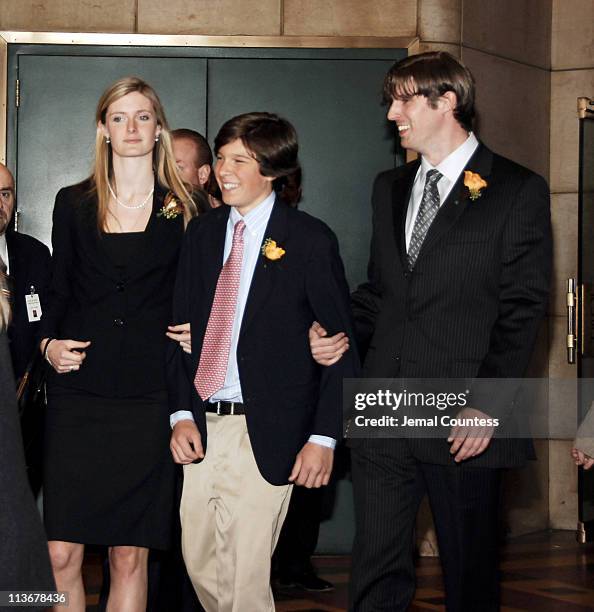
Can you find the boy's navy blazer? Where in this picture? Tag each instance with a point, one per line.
(287, 395)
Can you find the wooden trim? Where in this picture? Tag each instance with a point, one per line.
(582, 106)
(414, 46)
(3, 97)
(174, 40)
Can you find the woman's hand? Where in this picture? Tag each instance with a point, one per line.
(580, 458)
(182, 335)
(65, 355)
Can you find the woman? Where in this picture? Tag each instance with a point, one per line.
(24, 562)
(116, 238)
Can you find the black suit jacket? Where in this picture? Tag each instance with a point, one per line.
(287, 395)
(24, 559)
(474, 302)
(29, 264)
(124, 314)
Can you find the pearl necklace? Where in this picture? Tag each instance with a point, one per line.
(141, 205)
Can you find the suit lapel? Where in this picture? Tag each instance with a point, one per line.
(457, 200)
(160, 231)
(14, 254)
(266, 271)
(401, 191)
(93, 244)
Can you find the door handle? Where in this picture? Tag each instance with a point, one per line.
(572, 300)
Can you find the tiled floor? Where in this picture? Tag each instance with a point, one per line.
(547, 572)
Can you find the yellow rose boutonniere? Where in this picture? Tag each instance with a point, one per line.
(271, 251)
(474, 183)
(171, 207)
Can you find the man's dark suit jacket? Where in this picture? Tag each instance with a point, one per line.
(24, 559)
(286, 394)
(124, 314)
(29, 265)
(474, 302)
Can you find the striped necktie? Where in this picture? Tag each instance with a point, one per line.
(427, 213)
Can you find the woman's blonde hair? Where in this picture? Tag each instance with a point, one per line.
(4, 302)
(164, 165)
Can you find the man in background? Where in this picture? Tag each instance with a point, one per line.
(194, 161)
(26, 262)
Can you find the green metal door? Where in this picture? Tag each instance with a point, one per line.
(332, 96)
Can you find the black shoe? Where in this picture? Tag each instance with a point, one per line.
(310, 582)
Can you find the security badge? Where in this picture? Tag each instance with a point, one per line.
(33, 305)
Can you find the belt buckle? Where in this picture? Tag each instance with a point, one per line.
(218, 408)
(232, 408)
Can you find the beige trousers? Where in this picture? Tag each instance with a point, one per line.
(231, 519)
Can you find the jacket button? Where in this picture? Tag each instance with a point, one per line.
(397, 358)
(118, 322)
(120, 286)
(406, 275)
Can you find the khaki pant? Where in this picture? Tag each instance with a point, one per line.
(231, 520)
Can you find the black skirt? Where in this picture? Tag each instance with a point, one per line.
(108, 471)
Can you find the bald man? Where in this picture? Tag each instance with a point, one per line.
(194, 162)
(27, 263)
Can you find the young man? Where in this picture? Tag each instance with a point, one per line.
(253, 276)
(458, 285)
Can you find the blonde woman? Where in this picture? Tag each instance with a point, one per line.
(116, 239)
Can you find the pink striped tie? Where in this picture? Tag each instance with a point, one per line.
(212, 369)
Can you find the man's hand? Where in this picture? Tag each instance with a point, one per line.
(470, 441)
(326, 351)
(66, 355)
(186, 443)
(582, 459)
(313, 466)
(182, 335)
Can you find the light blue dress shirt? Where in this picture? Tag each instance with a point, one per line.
(255, 221)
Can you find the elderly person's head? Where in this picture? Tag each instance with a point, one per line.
(6, 197)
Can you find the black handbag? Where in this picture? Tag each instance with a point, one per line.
(31, 399)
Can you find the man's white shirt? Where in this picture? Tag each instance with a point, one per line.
(4, 252)
(451, 168)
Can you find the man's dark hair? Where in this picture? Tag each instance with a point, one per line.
(431, 75)
(272, 141)
(204, 152)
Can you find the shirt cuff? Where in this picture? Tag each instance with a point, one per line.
(180, 415)
(321, 440)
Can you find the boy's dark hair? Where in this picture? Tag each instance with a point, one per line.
(273, 142)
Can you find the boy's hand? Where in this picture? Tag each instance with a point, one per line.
(313, 466)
